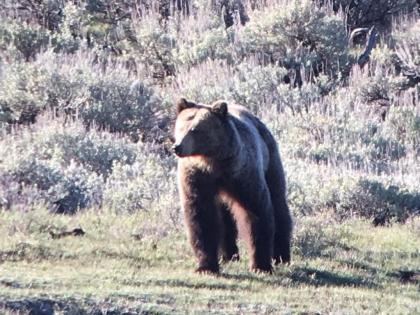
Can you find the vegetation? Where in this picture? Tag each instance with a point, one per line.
(86, 107)
(130, 264)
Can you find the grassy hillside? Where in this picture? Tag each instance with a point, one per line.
(87, 92)
(123, 265)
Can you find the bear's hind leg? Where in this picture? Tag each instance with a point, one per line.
(283, 229)
(283, 221)
(228, 248)
(253, 212)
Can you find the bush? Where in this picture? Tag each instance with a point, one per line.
(316, 236)
(68, 39)
(365, 13)
(148, 184)
(345, 194)
(382, 203)
(118, 105)
(374, 88)
(154, 48)
(406, 58)
(107, 71)
(407, 42)
(212, 44)
(32, 181)
(113, 99)
(46, 13)
(260, 88)
(22, 93)
(96, 152)
(298, 33)
(403, 126)
(66, 168)
(63, 167)
(21, 40)
(333, 133)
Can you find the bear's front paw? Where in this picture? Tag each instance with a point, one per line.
(207, 270)
(280, 260)
(262, 269)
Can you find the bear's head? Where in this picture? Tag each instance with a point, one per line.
(201, 130)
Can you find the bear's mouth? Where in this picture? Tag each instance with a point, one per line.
(181, 155)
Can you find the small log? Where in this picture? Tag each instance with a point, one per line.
(74, 232)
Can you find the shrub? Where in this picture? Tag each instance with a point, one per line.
(31, 181)
(297, 34)
(316, 236)
(154, 48)
(118, 105)
(148, 184)
(21, 40)
(345, 194)
(63, 167)
(407, 42)
(66, 168)
(112, 99)
(406, 58)
(212, 44)
(382, 203)
(260, 88)
(331, 133)
(68, 38)
(106, 74)
(364, 13)
(374, 88)
(22, 93)
(215, 82)
(46, 13)
(403, 126)
(300, 33)
(96, 152)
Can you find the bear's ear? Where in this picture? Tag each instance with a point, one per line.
(183, 104)
(220, 108)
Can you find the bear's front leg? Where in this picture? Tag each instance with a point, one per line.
(198, 198)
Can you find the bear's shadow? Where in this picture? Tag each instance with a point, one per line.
(308, 276)
(294, 277)
(312, 276)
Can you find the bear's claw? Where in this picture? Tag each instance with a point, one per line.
(266, 269)
(207, 270)
(262, 270)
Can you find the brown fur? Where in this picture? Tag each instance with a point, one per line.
(242, 217)
(229, 168)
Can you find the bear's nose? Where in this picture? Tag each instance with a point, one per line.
(177, 149)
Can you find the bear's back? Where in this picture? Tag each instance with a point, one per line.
(253, 135)
(244, 115)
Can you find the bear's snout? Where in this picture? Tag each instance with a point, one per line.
(184, 147)
(177, 149)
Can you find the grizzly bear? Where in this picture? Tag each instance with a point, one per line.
(230, 175)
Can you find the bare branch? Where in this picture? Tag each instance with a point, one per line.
(370, 44)
(356, 32)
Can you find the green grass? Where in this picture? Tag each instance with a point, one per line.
(123, 265)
